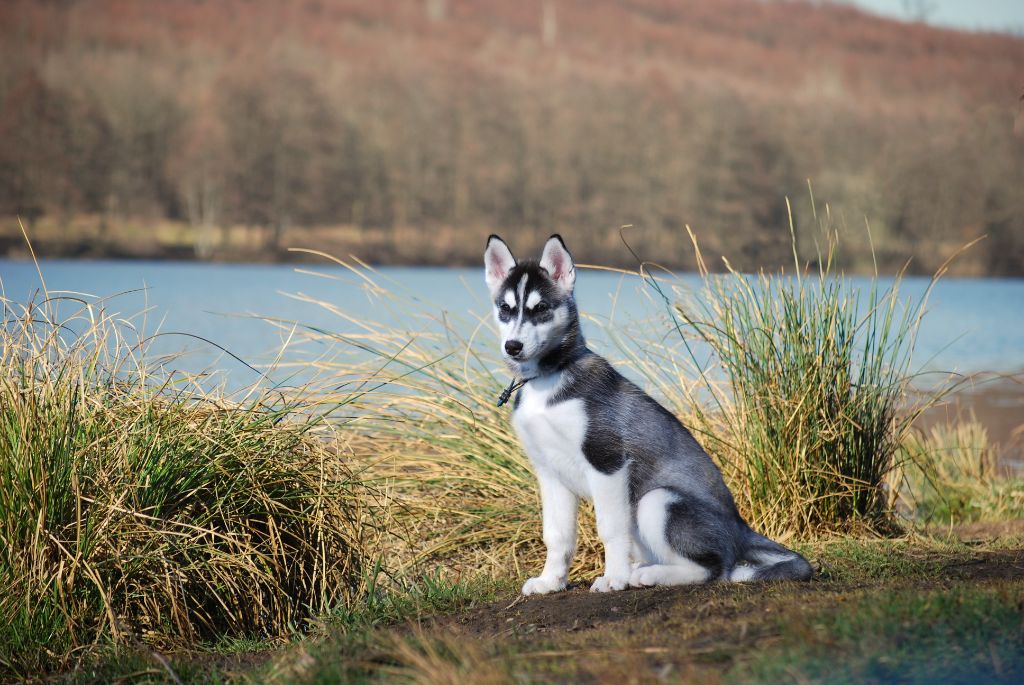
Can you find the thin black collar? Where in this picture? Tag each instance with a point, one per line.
(512, 387)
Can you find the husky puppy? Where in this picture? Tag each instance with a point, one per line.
(664, 514)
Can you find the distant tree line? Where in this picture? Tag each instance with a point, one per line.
(293, 137)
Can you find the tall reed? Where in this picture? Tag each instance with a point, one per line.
(808, 398)
(135, 509)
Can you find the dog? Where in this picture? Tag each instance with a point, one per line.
(664, 514)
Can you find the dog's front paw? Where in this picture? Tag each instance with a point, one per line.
(609, 584)
(542, 585)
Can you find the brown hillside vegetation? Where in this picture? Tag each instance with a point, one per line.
(406, 131)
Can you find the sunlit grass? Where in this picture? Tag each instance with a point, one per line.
(806, 397)
(134, 509)
(804, 404)
(458, 488)
(952, 474)
(137, 508)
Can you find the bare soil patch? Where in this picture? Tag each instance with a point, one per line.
(696, 634)
(981, 532)
(578, 610)
(693, 634)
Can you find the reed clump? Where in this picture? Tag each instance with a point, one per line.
(137, 510)
(808, 397)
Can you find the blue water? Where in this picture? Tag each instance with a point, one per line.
(972, 325)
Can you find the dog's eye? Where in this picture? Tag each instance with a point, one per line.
(540, 308)
(505, 309)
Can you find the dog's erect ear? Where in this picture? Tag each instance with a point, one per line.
(558, 263)
(498, 261)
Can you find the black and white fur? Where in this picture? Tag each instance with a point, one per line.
(664, 513)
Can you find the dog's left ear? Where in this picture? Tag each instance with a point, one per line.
(558, 263)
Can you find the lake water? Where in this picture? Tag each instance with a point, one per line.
(972, 325)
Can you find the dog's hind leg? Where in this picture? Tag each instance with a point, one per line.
(766, 559)
(683, 572)
(681, 540)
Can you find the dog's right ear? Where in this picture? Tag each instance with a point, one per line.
(498, 261)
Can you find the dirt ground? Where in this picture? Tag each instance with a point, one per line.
(696, 633)
(693, 634)
(579, 610)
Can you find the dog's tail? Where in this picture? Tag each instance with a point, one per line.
(765, 559)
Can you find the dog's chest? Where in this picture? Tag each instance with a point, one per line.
(553, 434)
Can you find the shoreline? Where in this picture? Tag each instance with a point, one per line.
(433, 246)
(996, 401)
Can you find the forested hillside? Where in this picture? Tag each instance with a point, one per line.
(406, 131)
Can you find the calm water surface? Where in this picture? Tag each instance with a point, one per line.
(972, 325)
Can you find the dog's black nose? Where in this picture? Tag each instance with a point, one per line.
(513, 347)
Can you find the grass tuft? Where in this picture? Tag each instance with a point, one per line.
(134, 510)
(951, 474)
(808, 401)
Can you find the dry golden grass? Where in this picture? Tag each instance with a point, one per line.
(135, 509)
(804, 408)
(423, 659)
(951, 474)
(457, 489)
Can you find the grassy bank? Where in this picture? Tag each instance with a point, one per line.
(154, 529)
(914, 610)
